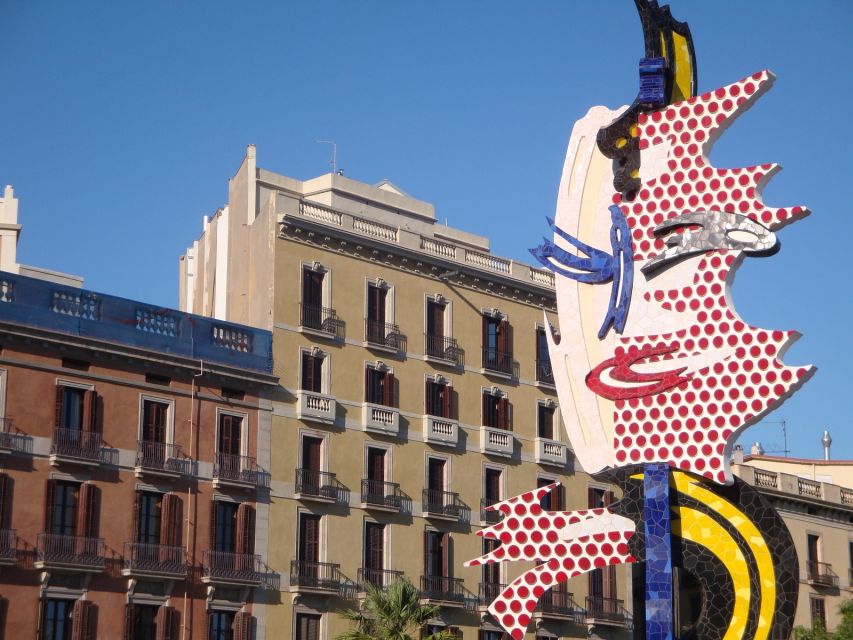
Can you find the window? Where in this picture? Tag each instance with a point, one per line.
(492, 486)
(439, 344)
(312, 371)
(308, 547)
(817, 607)
(545, 420)
(497, 412)
(232, 527)
(602, 582)
(374, 553)
(555, 500)
(379, 328)
(155, 416)
(493, 635)
(75, 408)
(221, 625)
(544, 373)
(439, 398)
(379, 386)
(143, 621)
(315, 312)
(230, 437)
(497, 352)
(376, 464)
(56, 619)
(158, 518)
(307, 626)
(72, 509)
(435, 474)
(436, 557)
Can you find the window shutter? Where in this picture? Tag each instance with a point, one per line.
(170, 522)
(88, 510)
(5, 488)
(608, 498)
(167, 618)
(137, 496)
(243, 624)
(246, 529)
(59, 393)
(88, 411)
(486, 398)
(446, 395)
(213, 510)
(444, 539)
(50, 497)
(307, 372)
(128, 621)
(427, 571)
(503, 413)
(367, 394)
(389, 389)
(503, 337)
(83, 620)
(590, 497)
(208, 619)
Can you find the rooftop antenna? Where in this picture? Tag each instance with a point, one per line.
(784, 426)
(334, 161)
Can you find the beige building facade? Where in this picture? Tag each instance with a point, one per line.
(415, 391)
(815, 499)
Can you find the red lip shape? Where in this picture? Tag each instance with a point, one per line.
(621, 370)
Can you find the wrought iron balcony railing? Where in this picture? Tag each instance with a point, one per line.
(821, 573)
(76, 444)
(319, 319)
(146, 559)
(378, 493)
(544, 372)
(320, 485)
(382, 334)
(488, 591)
(319, 576)
(379, 578)
(560, 604)
(9, 439)
(497, 361)
(79, 553)
(606, 610)
(227, 567)
(8, 546)
(239, 471)
(443, 348)
(441, 503)
(162, 457)
(489, 517)
(442, 589)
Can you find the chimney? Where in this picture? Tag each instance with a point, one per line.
(737, 458)
(826, 441)
(756, 449)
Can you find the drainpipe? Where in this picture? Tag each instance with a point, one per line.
(190, 494)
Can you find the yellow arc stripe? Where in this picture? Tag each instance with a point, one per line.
(744, 526)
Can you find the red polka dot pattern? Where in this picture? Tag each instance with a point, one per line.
(689, 425)
(528, 532)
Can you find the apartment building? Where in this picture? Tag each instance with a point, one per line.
(133, 502)
(415, 392)
(815, 499)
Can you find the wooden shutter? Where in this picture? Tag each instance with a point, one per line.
(128, 622)
(427, 568)
(311, 453)
(83, 620)
(167, 623)
(436, 474)
(503, 338)
(243, 624)
(50, 498)
(446, 396)
(307, 627)
(89, 411)
(213, 516)
(310, 373)
(444, 546)
(435, 320)
(374, 546)
(171, 520)
(309, 537)
(246, 528)
(230, 428)
(88, 510)
(376, 464)
(503, 413)
(60, 392)
(368, 396)
(493, 484)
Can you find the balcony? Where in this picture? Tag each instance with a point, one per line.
(239, 472)
(379, 578)
(377, 494)
(318, 485)
(161, 459)
(441, 431)
(487, 593)
(75, 446)
(551, 452)
(384, 336)
(559, 605)
(442, 349)
(10, 440)
(496, 442)
(378, 418)
(316, 577)
(316, 407)
(606, 611)
(497, 362)
(441, 504)
(320, 320)
(442, 590)
(544, 373)
(487, 515)
(229, 568)
(141, 560)
(821, 574)
(69, 553)
(8, 547)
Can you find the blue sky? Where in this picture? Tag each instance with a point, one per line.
(120, 124)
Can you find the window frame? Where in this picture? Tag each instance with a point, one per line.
(388, 390)
(244, 429)
(548, 404)
(170, 417)
(325, 369)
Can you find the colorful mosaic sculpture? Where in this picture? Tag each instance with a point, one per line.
(656, 374)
